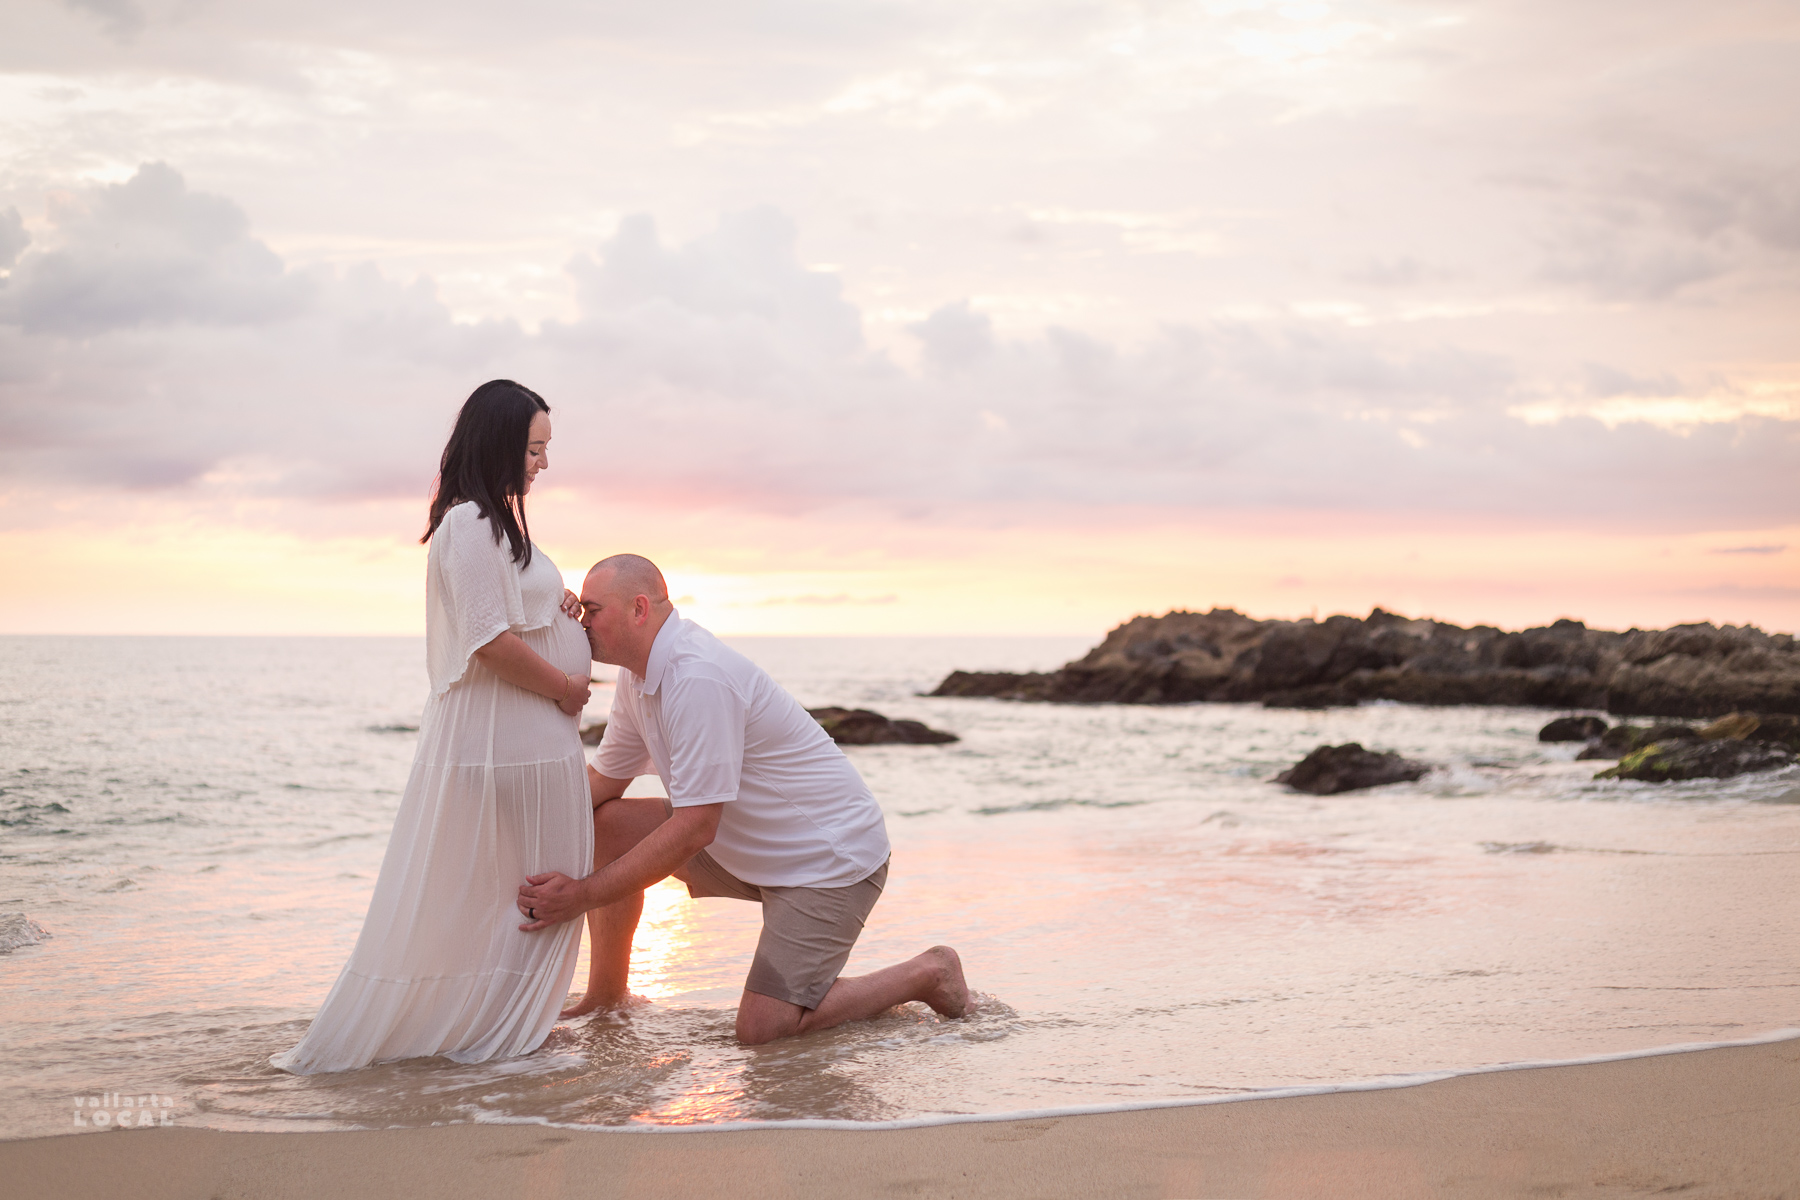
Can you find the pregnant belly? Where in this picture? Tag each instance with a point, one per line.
(564, 644)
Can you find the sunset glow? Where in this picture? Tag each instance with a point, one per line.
(910, 319)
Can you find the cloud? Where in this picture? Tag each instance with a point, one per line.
(148, 252)
(1403, 271)
(123, 19)
(1660, 218)
(151, 343)
(13, 238)
(743, 273)
(955, 336)
(1748, 550)
(1618, 265)
(720, 371)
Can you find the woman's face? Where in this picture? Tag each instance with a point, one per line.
(537, 447)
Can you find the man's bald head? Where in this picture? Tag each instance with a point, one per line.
(628, 576)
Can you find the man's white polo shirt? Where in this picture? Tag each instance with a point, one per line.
(715, 727)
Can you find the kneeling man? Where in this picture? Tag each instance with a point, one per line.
(762, 806)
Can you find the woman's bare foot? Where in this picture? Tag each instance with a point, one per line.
(592, 1003)
(950, 996)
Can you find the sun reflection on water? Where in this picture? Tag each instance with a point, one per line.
(716, 1100)
(667, 935)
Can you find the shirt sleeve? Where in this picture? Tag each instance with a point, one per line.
(479, 589)
(623, 754)
(705, 720)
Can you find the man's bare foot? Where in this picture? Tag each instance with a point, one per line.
(950, 997)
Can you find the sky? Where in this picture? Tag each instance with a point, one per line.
(906, 316)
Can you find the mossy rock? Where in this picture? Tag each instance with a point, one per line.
(1664, 762)
(1623, 740)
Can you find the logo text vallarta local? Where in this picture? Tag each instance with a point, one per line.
(114, 1110)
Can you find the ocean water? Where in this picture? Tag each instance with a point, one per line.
(195, 824)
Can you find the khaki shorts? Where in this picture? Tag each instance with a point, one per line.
(807, 932)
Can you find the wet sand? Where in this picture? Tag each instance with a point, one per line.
(1712, 1123)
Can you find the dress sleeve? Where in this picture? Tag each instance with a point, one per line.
(475, 593)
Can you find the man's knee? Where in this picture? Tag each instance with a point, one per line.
(618, 826)
(762, 1019)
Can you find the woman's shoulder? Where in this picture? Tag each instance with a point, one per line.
(463, 512)
(461, 517)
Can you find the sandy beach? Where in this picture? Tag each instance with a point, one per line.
(1722, 1122)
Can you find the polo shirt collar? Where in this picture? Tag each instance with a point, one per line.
(660, 651)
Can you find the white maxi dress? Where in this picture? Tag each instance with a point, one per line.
(498, 791)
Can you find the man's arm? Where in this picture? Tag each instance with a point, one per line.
(602, 788)
(556, 898)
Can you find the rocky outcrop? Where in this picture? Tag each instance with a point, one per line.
(847, 726)
(1700, 671)
(1332, 769)
(861, 727)
(1661, 762)
(1572, 729)
(1687, 671)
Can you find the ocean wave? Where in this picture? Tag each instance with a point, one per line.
(18, 930)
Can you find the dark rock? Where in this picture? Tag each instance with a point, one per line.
(1332, 769)
(1223, 655)
(861, 727)
(1622, 740)
(1318, 695)
(1298, 654)
(1001, 685)
(1572, 729)
(1661, 762)
(591, 734)
(1781, 729)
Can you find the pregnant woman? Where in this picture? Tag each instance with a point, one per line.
(498, 789)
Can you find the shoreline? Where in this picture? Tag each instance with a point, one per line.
(1381, 1083)
(1720, 1121)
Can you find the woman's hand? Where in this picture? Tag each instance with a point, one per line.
(512, 660)
(576, 697)
(571, 605)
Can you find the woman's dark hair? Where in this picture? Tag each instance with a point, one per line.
(484, 461)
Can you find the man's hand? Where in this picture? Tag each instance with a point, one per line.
(553, 898)
(571, 605)
(547, 900)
